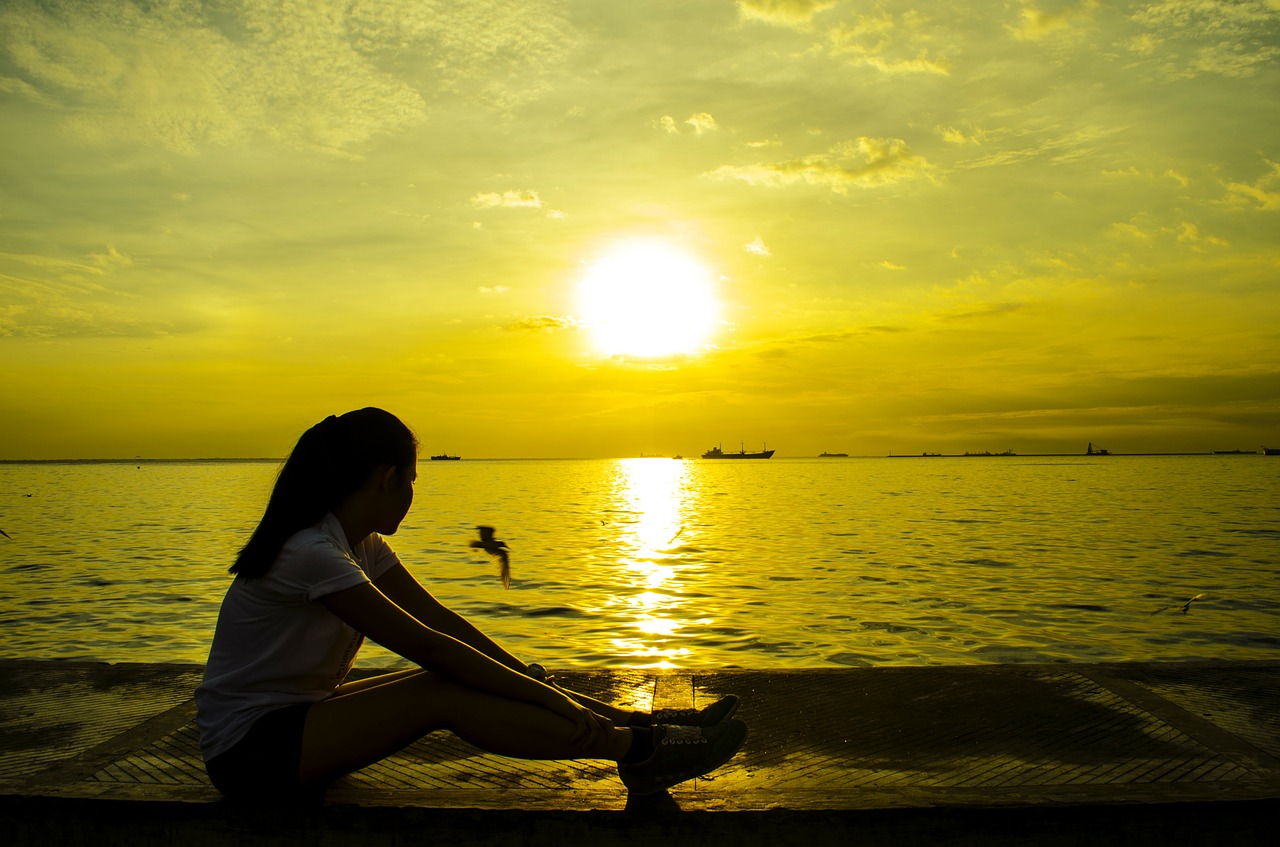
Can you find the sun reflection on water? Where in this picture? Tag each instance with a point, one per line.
(655, 494)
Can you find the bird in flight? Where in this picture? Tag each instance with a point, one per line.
(494, 547)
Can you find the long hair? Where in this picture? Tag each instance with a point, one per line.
(331, 461)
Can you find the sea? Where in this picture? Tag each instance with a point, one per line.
(645, 563)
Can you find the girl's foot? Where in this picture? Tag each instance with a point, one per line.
(683, 752)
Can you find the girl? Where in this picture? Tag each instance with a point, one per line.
(316, 578)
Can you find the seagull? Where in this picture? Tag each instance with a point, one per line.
(1184, 607)
(494, 547)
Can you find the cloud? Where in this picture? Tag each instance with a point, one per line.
(1264, 194)
(1211, 17)
(507, 200)
(111, 259)
(985, 310)
(494, 289)
(792, 13)
(757, 247)
(23, 89)
(1189, 234)
(1036, 25)
(892, 266)
(51, 297)
(863, 163)
(1239, 36)
(1079, 143)
(311, 74)
(1130, 231)
(1132, 170)
(702, 122)
(894, 46)
(542, 323)
(951, 135)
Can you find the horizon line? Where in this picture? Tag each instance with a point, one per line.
(265, 459)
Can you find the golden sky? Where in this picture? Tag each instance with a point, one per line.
(841, 225)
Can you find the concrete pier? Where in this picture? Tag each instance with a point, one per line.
(1131, 754)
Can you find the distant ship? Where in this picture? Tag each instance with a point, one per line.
(833, 455)
(1234, 452)
(445, 457)
(1096, 451)
(1271, 451)
(717, 453)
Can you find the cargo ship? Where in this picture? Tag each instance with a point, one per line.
(717, 453)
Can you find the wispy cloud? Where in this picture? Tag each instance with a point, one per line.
(894, 45)
(702, 122)
(985, 310)
(1264, 193)
(1037, 25)
(863, 163)
(791, 13)
(300, 73)
(757, 247)
(542, 323)
(524, 199)
(951, 135)
(1240, 36)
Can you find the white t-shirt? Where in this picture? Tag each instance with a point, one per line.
(274, 644)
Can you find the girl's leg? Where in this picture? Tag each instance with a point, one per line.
(373, 681)
(617, 714)
(346, 733)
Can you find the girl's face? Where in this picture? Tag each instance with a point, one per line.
(399, 497)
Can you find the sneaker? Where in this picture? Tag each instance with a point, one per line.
(683, 752)
(710, 716)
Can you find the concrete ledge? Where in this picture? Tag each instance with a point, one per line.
(1129, 754)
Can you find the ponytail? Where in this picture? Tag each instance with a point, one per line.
(330, 462)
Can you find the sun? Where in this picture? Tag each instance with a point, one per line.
(647, 298)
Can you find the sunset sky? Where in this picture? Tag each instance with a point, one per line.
(599, 228)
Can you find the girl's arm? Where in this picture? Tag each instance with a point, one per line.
(372, 613)
(407, 593)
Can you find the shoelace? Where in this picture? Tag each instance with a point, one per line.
(684, 735)
(677, 714)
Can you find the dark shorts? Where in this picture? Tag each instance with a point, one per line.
(263, 764)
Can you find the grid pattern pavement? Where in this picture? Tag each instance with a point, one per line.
(837, 738)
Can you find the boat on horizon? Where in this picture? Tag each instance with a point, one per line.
(833, 455)
(445, 457)
(1271, 451)
(1235, 452)
(717, 453)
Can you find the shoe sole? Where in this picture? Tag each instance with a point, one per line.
(734, 703)
(733, 708)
